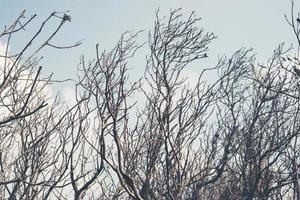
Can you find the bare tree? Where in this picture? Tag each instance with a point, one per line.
(235, 137)
(30, 156)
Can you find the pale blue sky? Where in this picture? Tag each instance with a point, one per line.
(237, 23)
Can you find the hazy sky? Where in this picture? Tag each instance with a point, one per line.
(237, 23)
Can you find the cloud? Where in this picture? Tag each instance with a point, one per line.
(19, 82)
(68, 96)
(2, 52)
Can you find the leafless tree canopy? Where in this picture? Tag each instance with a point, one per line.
(235, 137)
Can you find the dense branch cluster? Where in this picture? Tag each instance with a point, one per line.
(233, 138)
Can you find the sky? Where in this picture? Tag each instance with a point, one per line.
(258, 24)
(237, 23)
